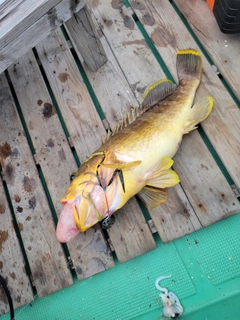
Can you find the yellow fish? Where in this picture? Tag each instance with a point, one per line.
(137, 157)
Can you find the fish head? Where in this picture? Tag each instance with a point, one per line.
(89, 199)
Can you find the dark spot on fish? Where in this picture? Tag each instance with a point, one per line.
(108, 23)
(29, 248)
(200, 205)
(17, 198)
(32, 203)
(50, 143)
(2, 208)
(29, 184)
(12, 275)
(20, 226)
(48, 110)
(194, 187)
(148, 20)
(1, 265)
(222, 195)
(60, 253)
(9, 174)
(39, 102)
(233, 203)
(137, 5)
(18, 299)
(3, 238)
(117, 4)
(62, 155)
(28, 218)
(5, 150)
(79, 270)
(63, 77)
(210, 189)
(19, 209)
(162, 219)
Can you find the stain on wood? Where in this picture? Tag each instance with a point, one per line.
(12, 267)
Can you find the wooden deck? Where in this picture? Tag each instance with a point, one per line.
(44, 88)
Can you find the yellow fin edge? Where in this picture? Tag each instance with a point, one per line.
(155, 84)
(189, 51)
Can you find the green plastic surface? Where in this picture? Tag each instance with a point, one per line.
(205, 268)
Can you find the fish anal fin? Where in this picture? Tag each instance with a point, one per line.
(199, 112)
(157, 92)
(152, 197)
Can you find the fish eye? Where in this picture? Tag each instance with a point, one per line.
(72, 176)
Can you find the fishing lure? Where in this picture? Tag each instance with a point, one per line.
(172, 307)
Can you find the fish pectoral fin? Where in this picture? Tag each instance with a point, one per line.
(157, 92)
(121, 166)
(162, 176)
(199, 112)
(152, 197)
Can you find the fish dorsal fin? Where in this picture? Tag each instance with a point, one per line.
(199, 112)
(127, 119)
(157, 92)
(162, 176)
(152, 197)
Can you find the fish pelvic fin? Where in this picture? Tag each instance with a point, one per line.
(199, 112)
(157, 92)
(151, 197)
(162, 176)
(189, 64)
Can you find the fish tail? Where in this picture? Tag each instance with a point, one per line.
(189, 64)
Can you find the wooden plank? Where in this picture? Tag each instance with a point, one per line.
(12, 267)
(85, 129)
(110, 85)
(83, 33)
(176, 217)
(25, 23)
(44, 252)
(132, 47)
(222, 48)
(222, 127)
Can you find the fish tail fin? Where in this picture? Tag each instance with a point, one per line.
(189, 64)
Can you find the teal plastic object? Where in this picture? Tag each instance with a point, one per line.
(205, 268)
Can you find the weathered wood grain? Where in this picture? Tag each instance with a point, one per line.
(169, 34)
(25, 22)
(115, 96)
(145, 71)
(130, 235)
(12, 267)
(85, 129)
(83, 34)
(224, 49)
(176, 217)
(44, 252)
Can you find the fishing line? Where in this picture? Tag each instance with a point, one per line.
(8, 295)
(68, 263)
